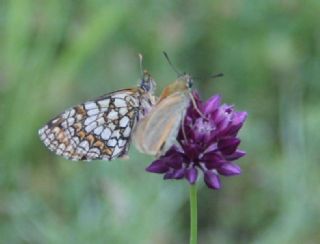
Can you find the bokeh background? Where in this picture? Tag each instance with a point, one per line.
(55, 54)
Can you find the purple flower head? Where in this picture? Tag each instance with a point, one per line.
(207, 143)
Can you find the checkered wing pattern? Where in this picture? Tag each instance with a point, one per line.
(97, 129)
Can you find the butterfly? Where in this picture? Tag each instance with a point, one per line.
(100, 128)
(158, 130)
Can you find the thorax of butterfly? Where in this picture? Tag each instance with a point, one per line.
(100, 128)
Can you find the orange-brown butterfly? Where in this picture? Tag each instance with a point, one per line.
(158, 130)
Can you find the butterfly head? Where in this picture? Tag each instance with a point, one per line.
(184, 82)
(147, 83)
(181, 85)
(187, 80)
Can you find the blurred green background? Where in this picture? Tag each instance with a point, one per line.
(55, 54)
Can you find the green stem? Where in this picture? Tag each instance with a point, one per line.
(193, 215)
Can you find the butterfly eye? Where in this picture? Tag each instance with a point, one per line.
(190, 83)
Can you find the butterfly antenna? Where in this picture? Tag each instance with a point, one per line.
(141, 63)
(216, 75)
(172, 66)
(210, 76)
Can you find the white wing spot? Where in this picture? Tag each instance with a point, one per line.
(100, 121)
(72, 112)
(84, 145)
(59, 151)
(43, 136)
(121, 143)
(112, 115)
(104, 103)
(94, 150)
(111, 126)
(71, 121)
(90, 105)
(93, 111)
(116, 133)
(90, 119)
(112, 142)
(55, 121)
(41, 131)
(98, 130)
(126, 132)
(120, 95)
(51, 137)
(124, 121)
(93, 153)
(46, 141)
(116, 151)
(90, 127)
(105, 135)
(66, 114)
(62, 146)
(123, 111)
(120, 103)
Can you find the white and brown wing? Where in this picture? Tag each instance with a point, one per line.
(97, 129)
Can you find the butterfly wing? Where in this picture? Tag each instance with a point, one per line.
(157, 131)
(97, 129)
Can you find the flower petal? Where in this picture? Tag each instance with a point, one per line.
(229, 169)
(191, 175)
(214, 164)
(192, 150)
(236, 124)
(228, 145)
(211, 156)
(178, 174)
(212, 104)
(219, 115)
(239, 118)
(174, 161)
(158, 166)
(212, 180)
(236, 155)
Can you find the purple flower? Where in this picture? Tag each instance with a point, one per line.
(207, 142)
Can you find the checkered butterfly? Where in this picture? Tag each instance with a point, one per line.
(101, 128)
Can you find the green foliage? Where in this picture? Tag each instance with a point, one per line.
(55, 54)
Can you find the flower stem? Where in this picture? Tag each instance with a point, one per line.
(193, 214)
